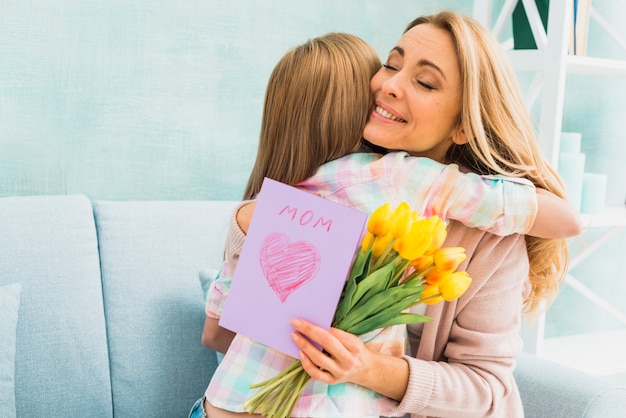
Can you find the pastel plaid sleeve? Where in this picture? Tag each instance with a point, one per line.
(216, 296)
(218, 291)
(498, 204)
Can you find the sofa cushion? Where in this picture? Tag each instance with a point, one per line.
(49, 246)
(549, 389)
(151, 255)
(9, 306)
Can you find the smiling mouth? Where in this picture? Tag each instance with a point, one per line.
(382, 112)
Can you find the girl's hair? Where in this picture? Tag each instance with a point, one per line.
(501, 137)
(316, 106)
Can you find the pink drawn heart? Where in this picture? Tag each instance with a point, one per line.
(287, 266)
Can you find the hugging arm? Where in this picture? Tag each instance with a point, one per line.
(500, 205)
(556, 217)
(216, 337)
(213, 335)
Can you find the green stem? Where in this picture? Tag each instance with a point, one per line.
(268, 387)
(419, 275)
(293, 401)
(282, 398)
(384, 256)
(288, 370)
(401, 267)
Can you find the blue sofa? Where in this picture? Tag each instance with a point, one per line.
(101, 313)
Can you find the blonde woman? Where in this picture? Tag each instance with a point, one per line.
(446, 92)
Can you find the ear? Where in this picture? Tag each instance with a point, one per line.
(459, 137)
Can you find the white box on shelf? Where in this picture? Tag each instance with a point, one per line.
(571, 169)
(593, 193)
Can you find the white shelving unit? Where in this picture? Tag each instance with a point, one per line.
(551, 64)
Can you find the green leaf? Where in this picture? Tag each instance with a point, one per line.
(377, 303)
(403, 318)
(345, 302)
(360, 269)
(361, 265)
(373, 284)
(403, 298)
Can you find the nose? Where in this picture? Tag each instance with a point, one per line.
(391, 86)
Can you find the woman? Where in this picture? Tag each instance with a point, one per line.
(447, 92)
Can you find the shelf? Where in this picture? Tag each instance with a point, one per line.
(527, 59)
(577, 64)
(610, 216)
(533, 60)
(552, 65)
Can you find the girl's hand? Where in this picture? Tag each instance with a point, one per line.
(244, 216)
(345, 357)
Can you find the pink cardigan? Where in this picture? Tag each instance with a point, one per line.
(466, 355)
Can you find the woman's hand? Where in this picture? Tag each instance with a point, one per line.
(345, 357)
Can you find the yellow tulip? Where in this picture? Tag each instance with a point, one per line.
(412, 245)
(435, 275)
(431, 295)
(449, 258)
(380, 245)
(439, 234)
(423, 262)
(401, 220)
(367, 239)
(454, 286)
(379, 221)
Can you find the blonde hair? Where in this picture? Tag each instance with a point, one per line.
(501, 138)
(316, 105)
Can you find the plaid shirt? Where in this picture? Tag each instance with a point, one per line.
(500, 205)
(365, 181)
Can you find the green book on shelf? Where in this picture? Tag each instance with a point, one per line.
(522, 34)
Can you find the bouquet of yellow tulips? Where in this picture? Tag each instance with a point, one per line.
(400, 264)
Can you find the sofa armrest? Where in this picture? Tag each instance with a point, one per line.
(550, 389)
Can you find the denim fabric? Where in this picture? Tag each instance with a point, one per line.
(197, 411)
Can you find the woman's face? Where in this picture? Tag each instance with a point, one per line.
(417, 95)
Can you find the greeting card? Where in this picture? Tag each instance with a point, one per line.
(294, 263)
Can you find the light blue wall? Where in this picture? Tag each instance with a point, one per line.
(156, 99)
(128, 99)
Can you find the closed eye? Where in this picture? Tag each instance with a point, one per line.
(425, 85)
